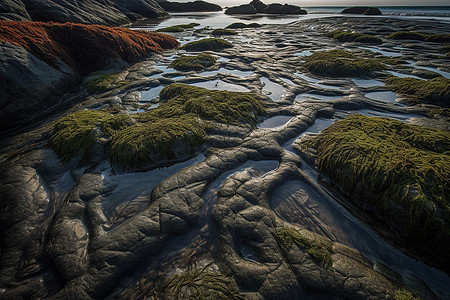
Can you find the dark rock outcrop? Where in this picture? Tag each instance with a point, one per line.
(256, 6)
(362, 10)
(40, 61)
(245, 9)
(285, 9)
(102, 12)
(195, 6)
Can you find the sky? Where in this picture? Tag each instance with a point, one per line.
(304, 3)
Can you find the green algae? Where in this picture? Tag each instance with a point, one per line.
(74, 134)
(198, 62)
(402, 170)
(421, 90)
(104, 82)
(207, 44)
(342, 63)
(222, 106)
(178, 125)
(404, 295)
(239, 25)
(221, 31)
(178, 28)
(318, 250)
(419, 36)
(199, 284)
(344, 36)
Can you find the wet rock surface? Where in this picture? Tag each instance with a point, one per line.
(64, 236)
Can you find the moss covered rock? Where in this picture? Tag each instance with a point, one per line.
(171, 131)
(436, 90)
(221, 31)
(207, 44)
(243, 25)
(342, 63)
(178, 28)
(197, 62)
(401, 171)
(420, 36)
(344, 36)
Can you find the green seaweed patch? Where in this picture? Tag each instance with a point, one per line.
(138, 144)
(207, 44)
(239, 25)
(199, 284)
(404, 295)
(318, 250)
(222, 106)
(419, 36)
(432, 90)
(342, 63)
(402, 170)
(178, 28)
(75, 134)
(105, 82)
(221, 31)
(198, 62)
(344, 36)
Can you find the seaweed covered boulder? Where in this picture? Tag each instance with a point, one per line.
(171, 132)
(41, 61)
(362, 10)
(286, 9)
(258, 7)
(395, 170)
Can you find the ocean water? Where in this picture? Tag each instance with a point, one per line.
(220, 20)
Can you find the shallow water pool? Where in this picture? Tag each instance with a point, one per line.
(274, 122)
(221, 85)
(274, 90)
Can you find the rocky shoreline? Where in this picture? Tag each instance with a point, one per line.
(213, 218)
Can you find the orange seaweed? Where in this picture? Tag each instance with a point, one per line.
(85, 48)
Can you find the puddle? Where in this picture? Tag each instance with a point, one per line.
(227, 71)
(443, 73)
(303, 53)
(223, 59)
(130, 192)
(154, 106)
(157, 75)
(367, 82)
(150, 94)
(385, 53)
(288, 81)
(307, 78)
(307, 96)
(246, 39)
(401, 75)
(163, 68)
(274, 122)
(179, 77)
(221, 85)
(272, 89)
(136, 111)
(386, 96)
(329, 87)
(185, 40)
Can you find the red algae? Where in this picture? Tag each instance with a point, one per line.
(85, 48)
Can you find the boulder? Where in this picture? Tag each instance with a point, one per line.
(102, 12)
(245, 9)
(13, 10)
(362, 10)
(258, 5)
(195, 6)
(286, 9)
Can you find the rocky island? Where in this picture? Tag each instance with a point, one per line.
(306, 160)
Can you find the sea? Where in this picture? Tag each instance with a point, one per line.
(220, 19)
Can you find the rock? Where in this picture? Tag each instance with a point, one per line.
(13, 10)
(195, 6)
(362, 10)
(258, 5)
(35, 72)
(285, 9)
(245, 9)
(103, 12)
